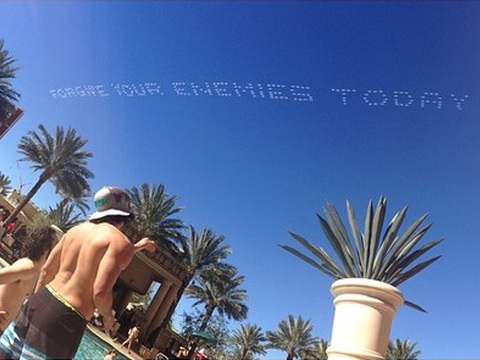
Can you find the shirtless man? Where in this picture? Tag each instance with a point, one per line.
(19, 279)
(77, 278)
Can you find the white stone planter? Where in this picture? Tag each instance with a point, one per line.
(364, 310)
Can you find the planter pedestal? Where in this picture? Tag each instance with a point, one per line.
(364, 310)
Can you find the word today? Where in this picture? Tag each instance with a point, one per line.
(400, 98)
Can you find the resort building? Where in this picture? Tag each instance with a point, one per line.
(144, 270)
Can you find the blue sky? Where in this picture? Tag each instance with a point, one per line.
(257, 113)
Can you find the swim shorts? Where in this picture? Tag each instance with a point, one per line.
(47, 327)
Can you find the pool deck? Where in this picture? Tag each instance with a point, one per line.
(115, 344)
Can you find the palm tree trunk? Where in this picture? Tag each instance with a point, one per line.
(43, 178)
(207, 317)
(65, 201)
(203, 326)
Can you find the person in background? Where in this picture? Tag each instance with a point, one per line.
(110, 355)
(78, 277)
(182, 352)
(19, 279)
(4, 214)
(132, 336)
(97, 319)
(200, 355)
(12, 226)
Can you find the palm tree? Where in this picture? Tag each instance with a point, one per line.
(197, 252)
(402, 350)
(249, 340)
(219, 293)
(76, 192)
(317, 352)
(63, 216)
(294, 336)
(59, 158)
(154, 210)
(7, 72)
(388, 258)
(200, 252)
(5, 182)
(218, 329)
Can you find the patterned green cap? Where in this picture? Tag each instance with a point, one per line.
(111, 200)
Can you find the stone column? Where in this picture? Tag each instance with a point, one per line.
(155, 304)
(163, 310)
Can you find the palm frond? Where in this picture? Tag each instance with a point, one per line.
(8, 72)
(5, 184)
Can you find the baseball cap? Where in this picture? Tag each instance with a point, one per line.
(111, 200)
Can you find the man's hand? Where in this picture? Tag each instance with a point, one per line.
(108, 322)
(3, 318)
(145, 243)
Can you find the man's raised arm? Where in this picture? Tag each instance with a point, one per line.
(115, 259)
(19, 270)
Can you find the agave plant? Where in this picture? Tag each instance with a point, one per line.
(389, 258)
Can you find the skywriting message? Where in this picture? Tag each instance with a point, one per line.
(267, 91)
(217, 89)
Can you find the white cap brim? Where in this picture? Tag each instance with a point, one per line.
(110, 212)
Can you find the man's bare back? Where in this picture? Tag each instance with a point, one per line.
(85, 265)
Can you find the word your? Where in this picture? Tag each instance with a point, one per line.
(400, 98)
(206, 89)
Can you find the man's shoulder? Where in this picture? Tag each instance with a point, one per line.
(97, 230)
(109, 234)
